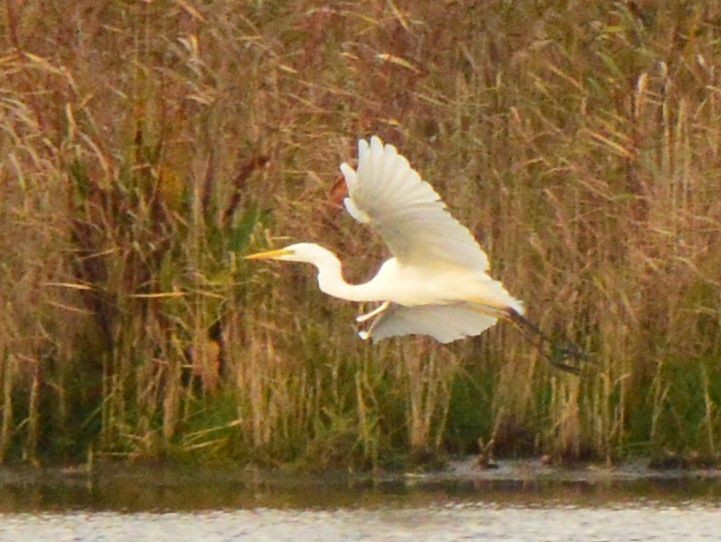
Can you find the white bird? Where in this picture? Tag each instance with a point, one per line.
(436, 283)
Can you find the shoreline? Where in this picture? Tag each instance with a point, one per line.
(466, 469)
(165, 489)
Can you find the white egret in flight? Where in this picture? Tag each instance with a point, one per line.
(436, 283)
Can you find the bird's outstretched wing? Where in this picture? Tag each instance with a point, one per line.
(388, 195)
(445, 323)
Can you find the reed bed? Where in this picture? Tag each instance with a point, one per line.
(147, 146)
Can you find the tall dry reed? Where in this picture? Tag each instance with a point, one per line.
(147, 146)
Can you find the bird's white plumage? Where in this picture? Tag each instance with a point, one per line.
(445, 323)
(390, 196)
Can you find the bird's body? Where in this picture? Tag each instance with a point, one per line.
(436, 283)
(408, 285)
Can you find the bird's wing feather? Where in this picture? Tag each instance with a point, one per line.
(390, 196)
(445, 323)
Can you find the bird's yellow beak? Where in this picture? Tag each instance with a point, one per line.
(269, 255)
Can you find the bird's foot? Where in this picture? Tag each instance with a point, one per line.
(560, 354)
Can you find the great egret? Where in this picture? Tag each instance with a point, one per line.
(436, 283)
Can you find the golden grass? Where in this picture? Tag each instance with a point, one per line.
(146, 145)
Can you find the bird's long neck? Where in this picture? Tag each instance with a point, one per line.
(331, 281)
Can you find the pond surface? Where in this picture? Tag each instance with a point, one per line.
(518, 501)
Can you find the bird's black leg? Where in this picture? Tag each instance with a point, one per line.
(558, 353)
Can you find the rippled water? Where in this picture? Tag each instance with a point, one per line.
(453, 521)
(503, 505)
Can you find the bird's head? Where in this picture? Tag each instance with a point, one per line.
(299, 252)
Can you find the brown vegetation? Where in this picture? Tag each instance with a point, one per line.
(146, 144)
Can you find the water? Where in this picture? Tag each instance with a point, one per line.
(516, 503)
(452, 521)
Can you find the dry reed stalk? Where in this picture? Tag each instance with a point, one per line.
(6, 429)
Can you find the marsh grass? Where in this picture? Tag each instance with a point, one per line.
(147, 146)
